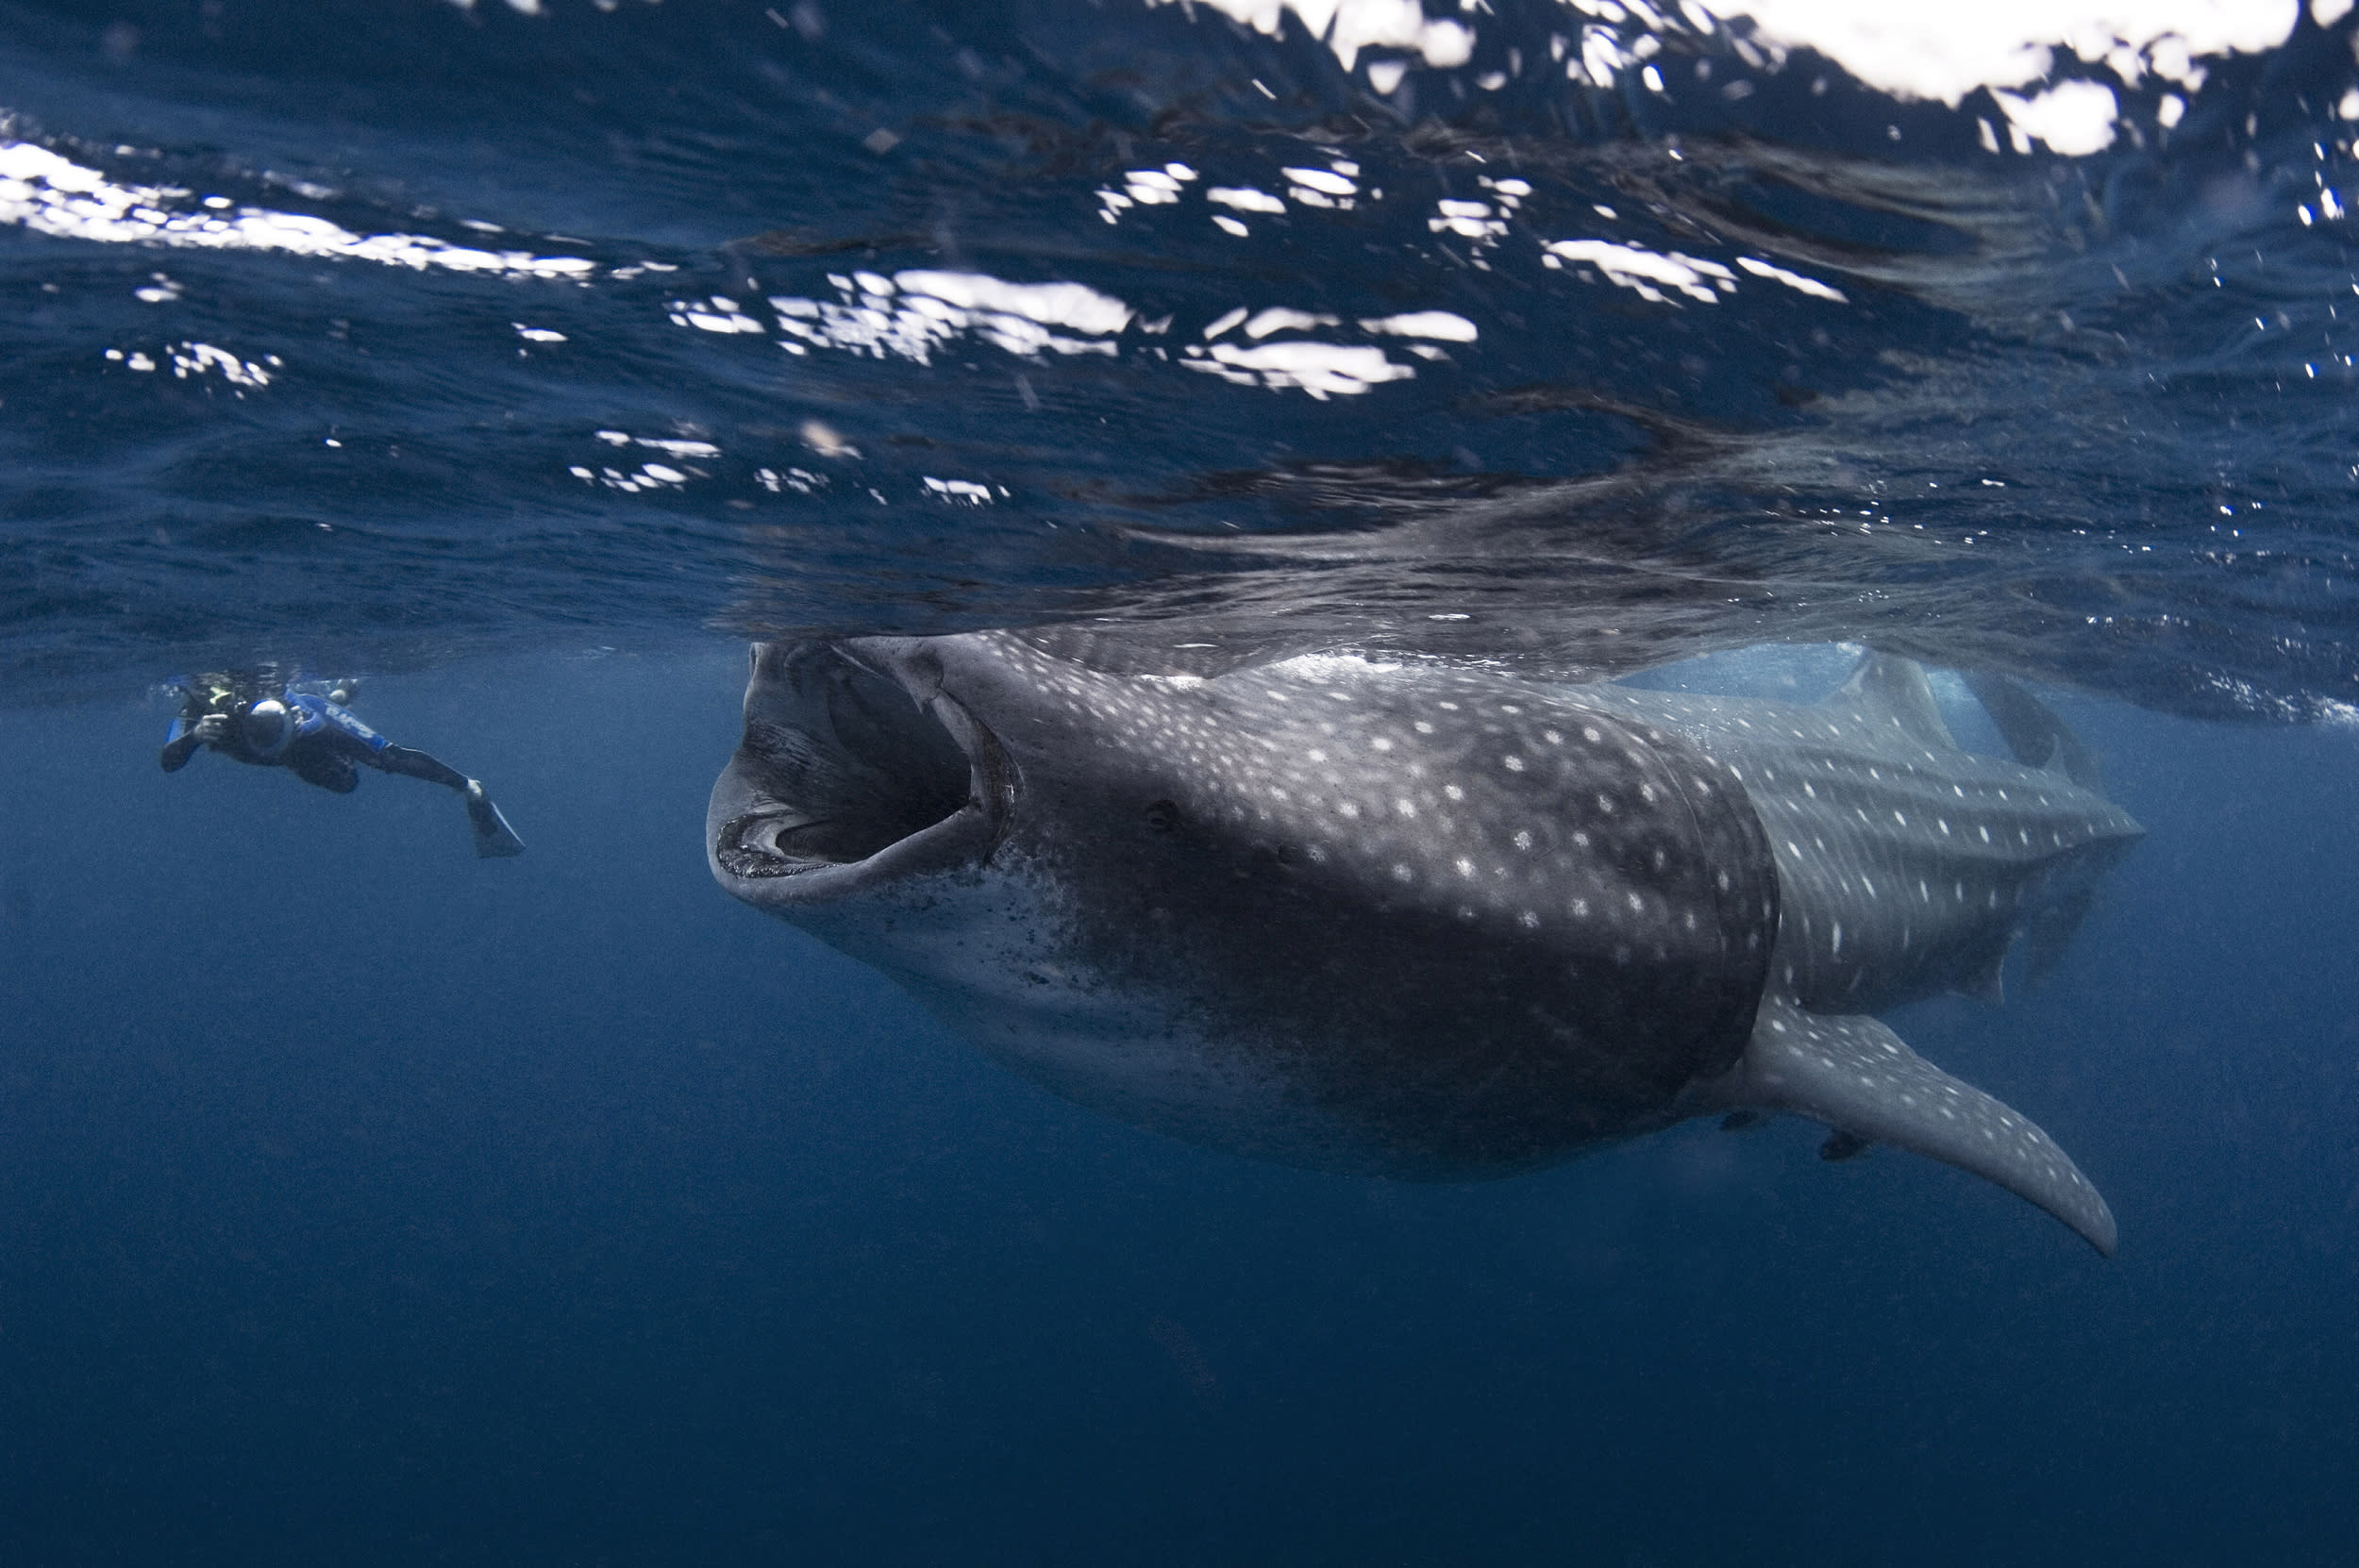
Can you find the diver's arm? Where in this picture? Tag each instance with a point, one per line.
(177, 750)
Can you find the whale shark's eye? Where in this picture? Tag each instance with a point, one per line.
(1163, 816)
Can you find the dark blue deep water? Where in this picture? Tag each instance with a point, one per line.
(364, 1202)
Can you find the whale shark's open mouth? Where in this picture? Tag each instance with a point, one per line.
(840, 764)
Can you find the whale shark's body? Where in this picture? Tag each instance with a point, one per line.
(1420, 921)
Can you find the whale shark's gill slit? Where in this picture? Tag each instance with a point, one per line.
(847, 765)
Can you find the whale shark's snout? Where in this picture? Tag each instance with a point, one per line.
(847, 777)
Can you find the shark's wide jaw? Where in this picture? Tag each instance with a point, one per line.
(845, 779)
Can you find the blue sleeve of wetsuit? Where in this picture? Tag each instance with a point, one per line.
(319, 713)
(183, 685)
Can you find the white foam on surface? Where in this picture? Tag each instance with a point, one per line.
(1635, 268)
(50, 194)
(1944, 52)
(1072, 304)
(1811, 286)
(1443, 325)
(1244, 198)
(913, 314)
(1939, 52)
(1323, 370)
(2074, 118)
(1348, 26)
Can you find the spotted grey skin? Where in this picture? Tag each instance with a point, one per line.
(1906, 868)
(1423, 923)
(1907, 865)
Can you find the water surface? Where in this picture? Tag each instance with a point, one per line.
(366, 1202)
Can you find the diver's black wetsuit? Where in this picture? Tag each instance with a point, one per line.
(317, 741)
(326, 757)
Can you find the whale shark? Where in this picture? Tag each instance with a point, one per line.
(1420, 921)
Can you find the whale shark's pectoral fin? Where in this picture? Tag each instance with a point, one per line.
(1987, 984)
(1857, 1076)
(2049, 932)
(2033, 732)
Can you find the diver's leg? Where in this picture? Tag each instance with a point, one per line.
(327, 768)
(417, 764)
(493, 838)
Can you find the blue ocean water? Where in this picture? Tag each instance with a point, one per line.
(364, 1201)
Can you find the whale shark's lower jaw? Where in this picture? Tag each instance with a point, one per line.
(757, 844)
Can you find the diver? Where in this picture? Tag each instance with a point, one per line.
(302, 726)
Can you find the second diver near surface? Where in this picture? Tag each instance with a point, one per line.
(253, 717)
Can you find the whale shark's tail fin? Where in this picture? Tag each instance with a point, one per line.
(2033, 732)
(1857, 1076)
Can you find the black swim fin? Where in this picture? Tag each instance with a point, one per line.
(493, 838)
